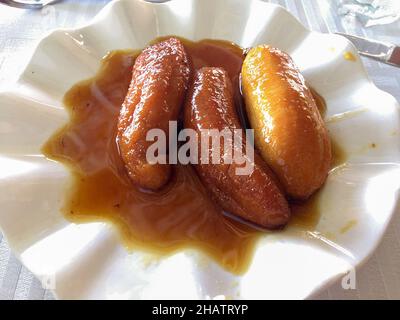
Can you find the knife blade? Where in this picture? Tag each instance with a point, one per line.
(382, 51)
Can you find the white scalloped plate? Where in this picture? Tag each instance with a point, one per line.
(88, 260)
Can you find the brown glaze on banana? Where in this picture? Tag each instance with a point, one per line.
(160, 79)
(289, 130)
(255, 197)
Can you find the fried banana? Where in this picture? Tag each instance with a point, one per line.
(155, 96)
(289, 131)
(255, 197)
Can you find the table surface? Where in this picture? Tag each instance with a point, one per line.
(20, 30)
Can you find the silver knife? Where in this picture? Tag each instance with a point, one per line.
(382, 51)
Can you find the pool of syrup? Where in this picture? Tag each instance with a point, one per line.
(182, 215)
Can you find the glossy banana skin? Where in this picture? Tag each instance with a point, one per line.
(289, 132)
(255, 197)
(155, 96)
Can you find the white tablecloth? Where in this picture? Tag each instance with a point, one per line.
(20, 29)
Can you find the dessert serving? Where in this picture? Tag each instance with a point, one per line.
(191, 189)
(182, 89)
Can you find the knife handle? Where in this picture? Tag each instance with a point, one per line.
(395, 57)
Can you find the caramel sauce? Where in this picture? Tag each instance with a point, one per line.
(182, 215)
(349, 56)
